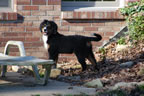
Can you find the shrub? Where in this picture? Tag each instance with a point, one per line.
(134, 13)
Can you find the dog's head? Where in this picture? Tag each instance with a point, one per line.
(48, 27)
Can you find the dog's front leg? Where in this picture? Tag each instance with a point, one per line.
(54, 56)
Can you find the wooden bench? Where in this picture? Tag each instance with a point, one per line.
(23, 60)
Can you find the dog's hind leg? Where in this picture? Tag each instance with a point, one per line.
(81, 60)
(92, 59)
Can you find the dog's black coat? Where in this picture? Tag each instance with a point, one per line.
(58, 43)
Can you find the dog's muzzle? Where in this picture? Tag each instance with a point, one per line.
(44, 30)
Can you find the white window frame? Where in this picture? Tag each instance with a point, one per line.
(92, 5)
(10, 8)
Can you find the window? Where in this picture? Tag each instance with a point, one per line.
(89, 4)
(7, 5)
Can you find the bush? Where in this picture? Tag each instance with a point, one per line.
(134, 13)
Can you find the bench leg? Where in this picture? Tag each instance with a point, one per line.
(47, 73)
(36, 72)
(44, 80)
(3, 70)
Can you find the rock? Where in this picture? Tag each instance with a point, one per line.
(15, 68)
(74, 78)
(94, 84)
(55, 73)
(123, 84)
(121, 47)
(20, 68)
(141, 72)
(127, 64)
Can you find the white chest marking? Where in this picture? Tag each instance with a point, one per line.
(45, 38)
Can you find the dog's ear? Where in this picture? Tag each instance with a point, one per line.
(54, 26)
(40, 27)
(45, 21)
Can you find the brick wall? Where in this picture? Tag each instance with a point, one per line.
(23, 25)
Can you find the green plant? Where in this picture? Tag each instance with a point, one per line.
(122, 41)
(36, 95)
(102, 50)
(117, 92)
(134, 13)
(141, 87)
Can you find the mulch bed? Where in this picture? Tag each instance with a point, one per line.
(110, 73)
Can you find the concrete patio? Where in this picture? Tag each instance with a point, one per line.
(16, 84)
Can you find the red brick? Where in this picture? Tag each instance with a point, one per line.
(89, 15)
(109, 33)
(53, 13)
(32, 29)
(54, 2)
(39, 2)
(5, 16)
(83, 15)
(82, 24)
(64, 28)
(64, 23)
(4, 29)
(30, 8)
(12, 38)
(31, 18)
(12, 16)
(57, 7)
(9, 24)
(23, 2)
(24, 34)
(25, 24)
(79, 14)
(38, 13)
(97, 43)
(98, 24)
(32, 39)
(75, 15)
(1, 16)
(91, 29)
(105, 38)
(46, 8)
(56, 18)
(17, 29)
(15, 34)
(11, 34)
(25, 13)
(64, 15)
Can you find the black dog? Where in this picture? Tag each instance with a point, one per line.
(57, 43)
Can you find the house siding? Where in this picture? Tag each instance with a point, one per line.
(23, 25)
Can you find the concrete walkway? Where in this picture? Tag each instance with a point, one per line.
(19, 85)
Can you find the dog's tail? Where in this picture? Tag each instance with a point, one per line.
(97, 38)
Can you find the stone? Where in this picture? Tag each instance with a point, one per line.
(15, 68)
(127, 64)
(96, 83)
(74, 78)
(121, 47)
(55, 73)
(123, 84)
(141, 72)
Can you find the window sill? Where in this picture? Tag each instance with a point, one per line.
(97, 14)
(8, 16)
